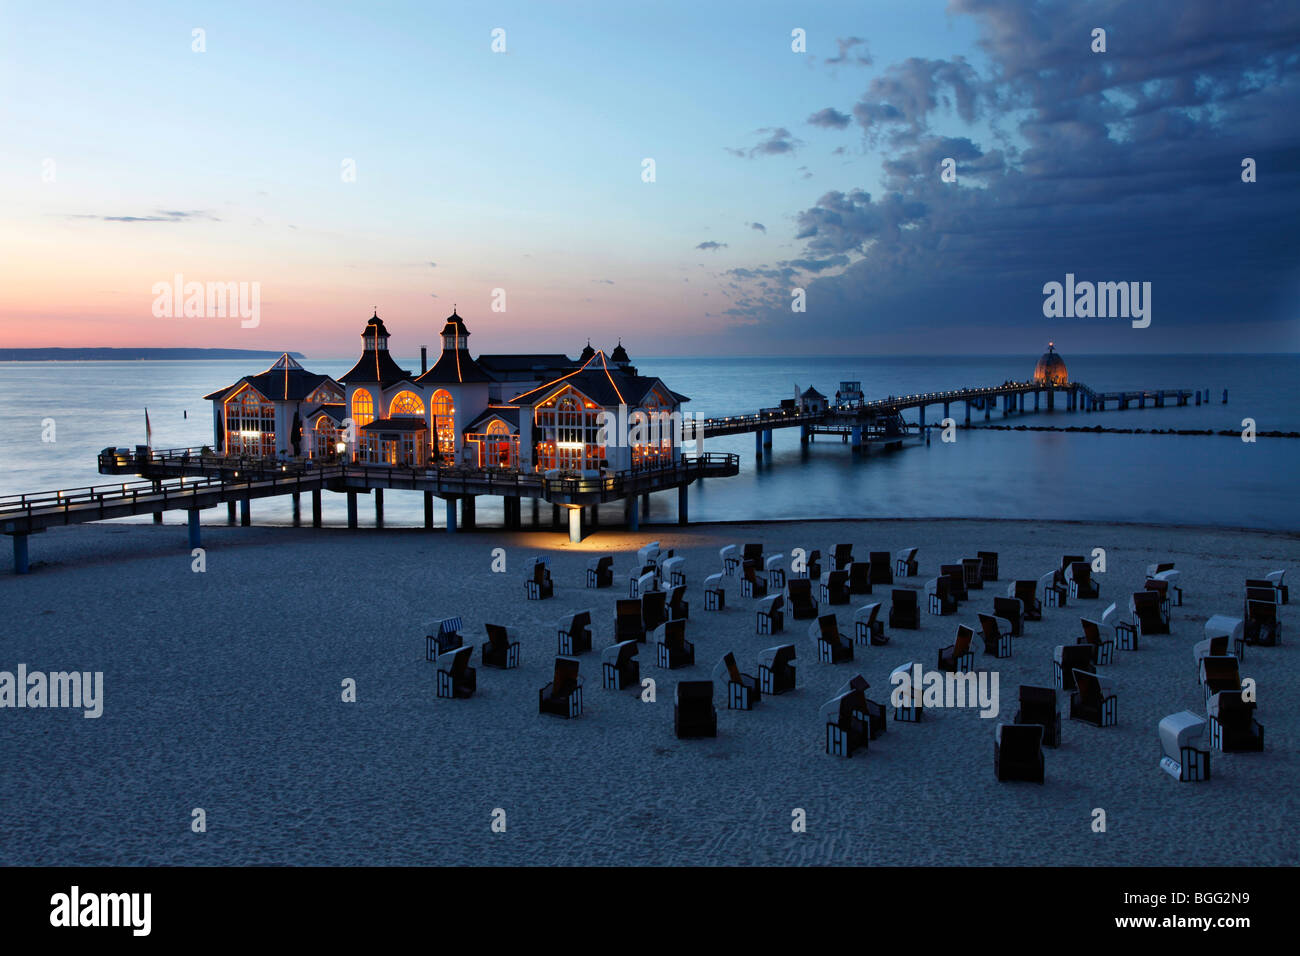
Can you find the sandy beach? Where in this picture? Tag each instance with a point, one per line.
(222, 691)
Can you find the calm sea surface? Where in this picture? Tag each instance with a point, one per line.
(1165, 479)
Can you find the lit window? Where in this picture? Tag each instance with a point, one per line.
(406, 404)
(363, 408)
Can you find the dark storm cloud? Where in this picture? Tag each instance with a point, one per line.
(1117, 166)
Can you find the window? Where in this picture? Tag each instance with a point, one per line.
(325, 438)
(569, 433)
(444, 424)
(406, 405)
(250, 425)
(363, 408)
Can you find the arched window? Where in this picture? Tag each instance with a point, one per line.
(444, 423)
(406, 404)
(326, 437)
(363, 408)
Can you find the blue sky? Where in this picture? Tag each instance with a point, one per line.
(477, 170)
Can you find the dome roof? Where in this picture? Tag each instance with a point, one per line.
(1051, 369)
(375, 326)
(587, 353)
(619, 354)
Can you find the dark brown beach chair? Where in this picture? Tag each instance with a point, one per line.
(1103, 649)
(882, 568)
(1038, 706)
(619, 666)
(1220, 675)
(678, 607)
(996, 641)
(1233, 726)
(799, 595)
(848, 726)
(574, 633)
(1148, 612)
(563, 695)
(835, 587)
(1011, 610)
(742, 689)
(988, 564)
(859, 581)
(1018, 752)
(939, 598)
(539, 586)
(654, 609)
(1067, 660)
(628, 625)
(445, 637)
(832, 646)
(752, 584)
(1092, 701)
(903, 609)
(973, 573)
(770, 616)
(600, 572)
(753, 552)
(956, 576)
(1262, 625)
(456, 679)
(693, 712)
(776, 669)
(1027, 593)
(905, 565)
(673, 649)
(957, 657)
(841, 557)
(502, 647)
(1079, 578)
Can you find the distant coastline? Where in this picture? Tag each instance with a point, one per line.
(135, 355)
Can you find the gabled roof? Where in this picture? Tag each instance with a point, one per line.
(538, 362)
(602, 382)
(811, 392)
(338, 412)
(285, 381)
(454, 367)
(408, 424)
(508, 414)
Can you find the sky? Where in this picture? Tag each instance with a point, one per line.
(513, 183)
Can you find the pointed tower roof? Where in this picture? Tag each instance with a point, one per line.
(454, 365)
(375, 364)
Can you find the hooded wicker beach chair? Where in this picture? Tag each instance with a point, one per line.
(1011, 610)
(574, 633)
(1262, 624)
(743, 690)
(1220, 675)
(1018, 752)
(1103, 648)
(812, 566)
(1148, 611)
(456, 679)
(1160, 587)
(939, 597)
(502, 647)
(903, 609)
(649, 554)
(715, 593)
(752, 552)
(600, 571)
(882, 568)
(877, 722)
(859, 581)
(673, 650)
(989, 563)
(752, 585)
(1173, 582)
(1038, 706)
(1233, 726)
(957, 657)
(799, 597)
(654, 609)
(1078, 577)
(1223, 635)
(956, 576)
(1126, 631)
(674, 571)
(539, 586)
(911, 710)
(905, 565)
(774, 570)
(841, 557)
(972, 570)
(770, 616)
(835, 587)
(443, 636)
(730, 556)
(1027, 593)
(776, 669)
(997, 639)
(642, 580)
(619, 666)
(1185, 746)
(628, 624)
(563, 695)
(1066, 660)
(1051, 589)
(693, 712)
(1093, 701)
(678, 607)
(832, 646)
(848, 727)
(867, 626)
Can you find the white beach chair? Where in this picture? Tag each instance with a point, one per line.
(674, 569)
(1050, 593)
(643, 584)
(619, 665)
(1229, 633)
(730, 559)
(1126, 631)
(868, 628)
(1175, 589)
(648, 554)
(771, 614)
(841, 741)
(1278, 580)
(1184, 746)
(905, 563)
(912, 711)
(715, 593)
(742, 689)
(773, 564)
(776, 669)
